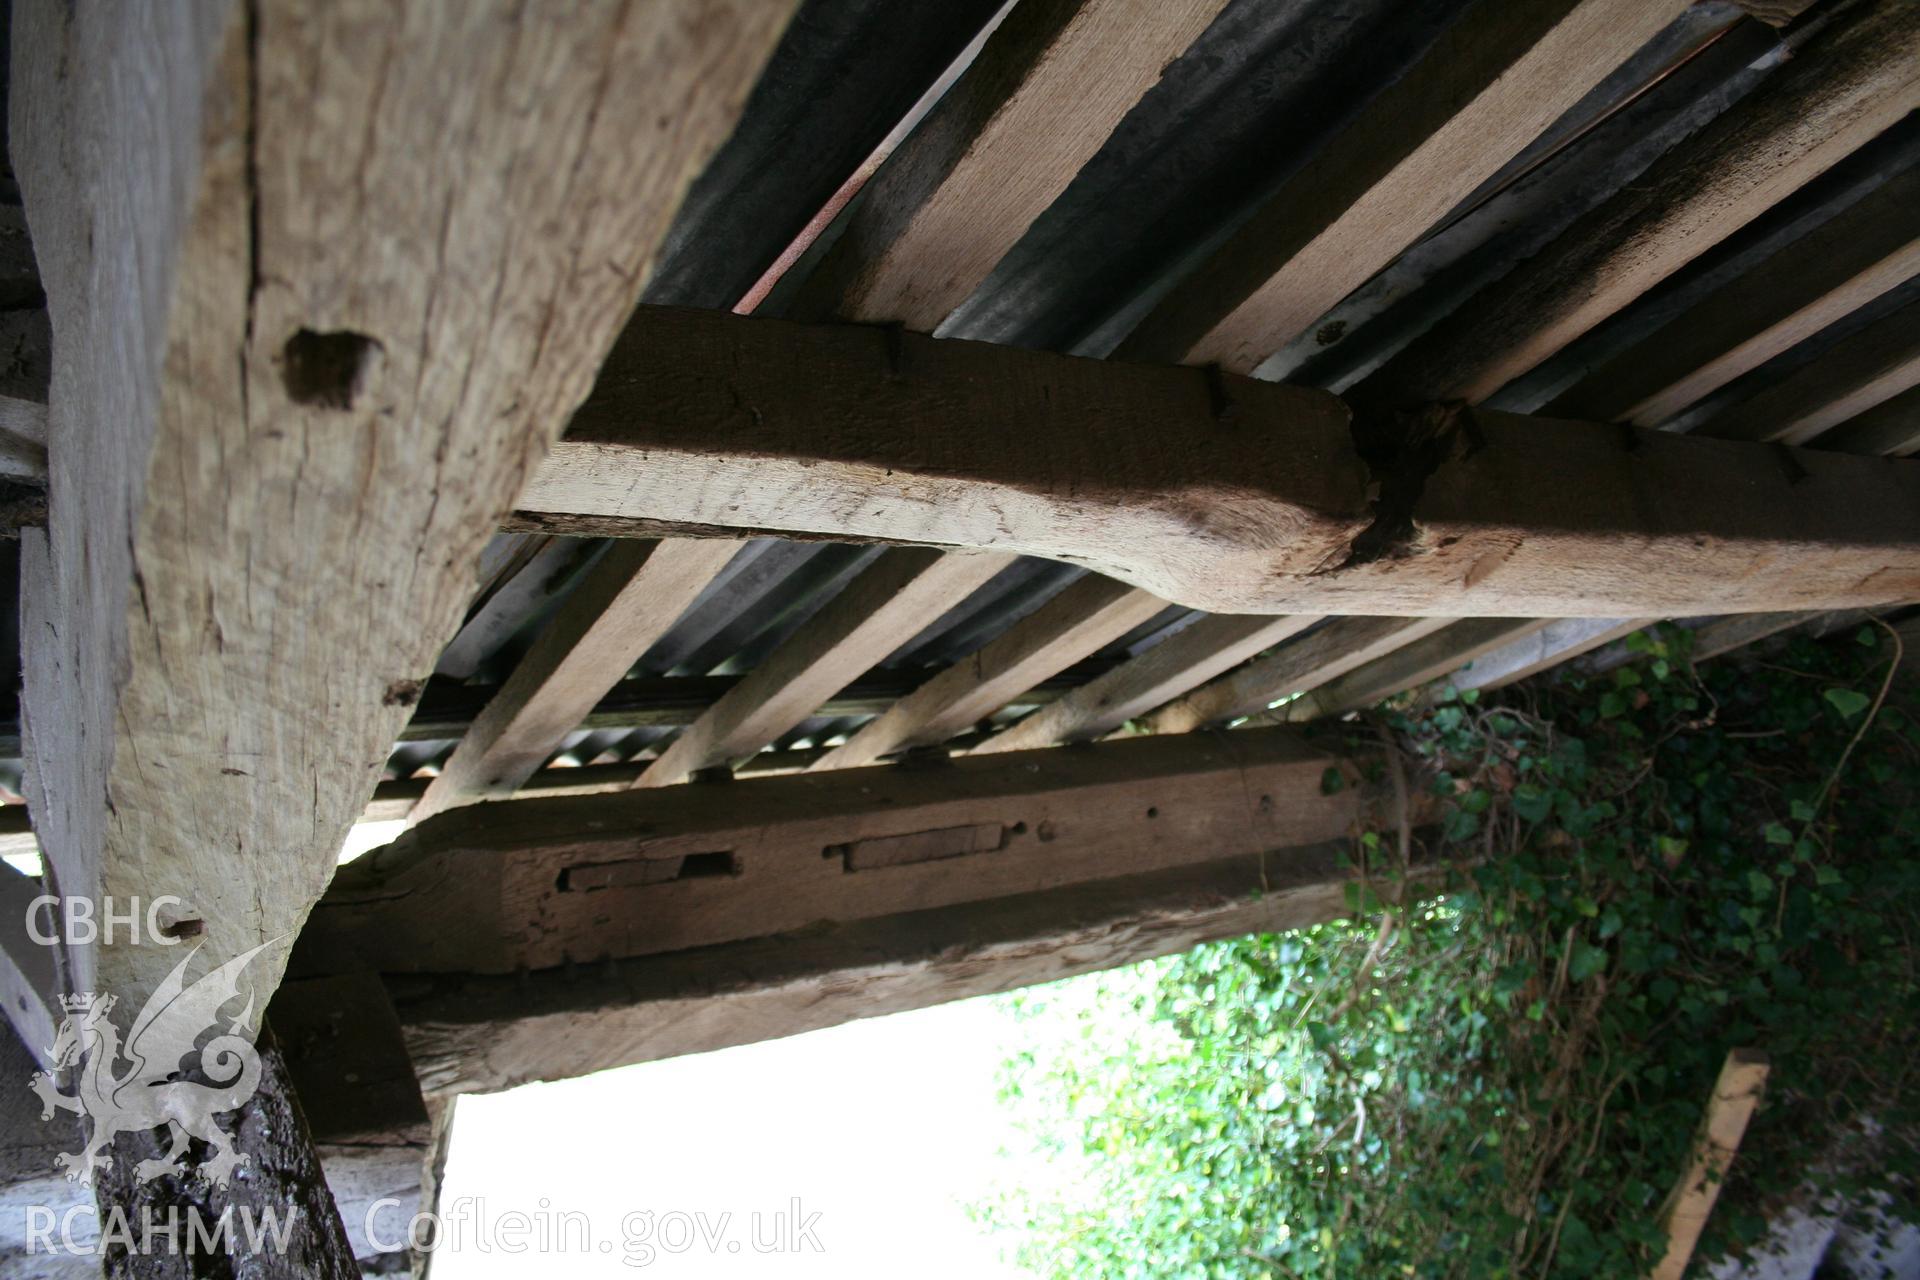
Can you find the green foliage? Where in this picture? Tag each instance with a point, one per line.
(1504, 1081)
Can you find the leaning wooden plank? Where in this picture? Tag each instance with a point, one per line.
(1409, 668)
(1557, 642)
(1166, 478)
(1188, 657)
(893, 600)
(1724, 635)
(1841, 265)
(1891, 428)
(1045, 92)
(1087, 615)
(628, 600)
(1736, 1095)
(531, 884)
(1849, 82)
(1489, 86)
(1864, 369)
(1300, 667)
(326, 283)
(482, 1034)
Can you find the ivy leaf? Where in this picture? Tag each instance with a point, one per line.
(1848, 702)
(1532, 803)
(1332, 782)
(1585, 961)
(1778, 834)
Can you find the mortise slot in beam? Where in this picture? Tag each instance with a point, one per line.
(920, 846)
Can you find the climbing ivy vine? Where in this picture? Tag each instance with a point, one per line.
(1661, 864)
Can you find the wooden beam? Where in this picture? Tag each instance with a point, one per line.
(628, 600)
(531, 884)
(325, 284)
(892, 601)
(1409, 667)
(1045, 92)
(1086, 616)
(1490, 85)
(1167, 479)
(1839, 266)
(1188, 657)
(1862, 370)
(1559, 641)
(1300, 667)
(1847, 83)
(477, 1034)
(1890, 428)
(1736, 1095)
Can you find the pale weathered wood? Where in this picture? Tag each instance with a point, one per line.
(1407, 668)
(1820, 277)
(628, 600)
(1304, 665)
(1891, 427)
(1087, 615)
(1849, 82)
(483, 1034)
(1736, 1095)
(1862, 370)
(1489, 86)
(1003, 142)
(324, 282)
(1188, 657)
(891, 601)
(23, 440)
(1167, 478)
(1557, 642)
(530, 884)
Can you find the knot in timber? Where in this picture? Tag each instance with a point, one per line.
(1402, 450)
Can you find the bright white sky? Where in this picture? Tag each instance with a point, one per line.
(886, 1128)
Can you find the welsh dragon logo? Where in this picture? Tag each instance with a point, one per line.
(149, 1093)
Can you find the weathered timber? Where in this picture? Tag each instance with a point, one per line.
(628, 600)
(1489, 86)
(1891, 427)
(295, 373)
(893, 600)
(1864, 369)
(531, 884)
(1736, 1095)
(1187, 658)
(1166, 478)
(1844, 263)
(1850, 81)
(1299, 667)
(1408, 667)
(1560, 641)
(1046, 90)
(477, 1034)
(1085, 616)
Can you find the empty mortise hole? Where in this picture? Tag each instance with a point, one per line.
(184, 928)
(1153, 811)
(328, 370)
(698, 866)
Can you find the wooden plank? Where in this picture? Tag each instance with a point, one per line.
(531, 884)
(628, 600)
(1187, 658)
(1890, 428)
(298, 373)
(1492, 83)
(1838, 267)
(1086, 616)
(1300, 667)
(1862, 370)
(1847, 83)
(1736, 1095)
(482, 1034)
(893, 600)
(1557, 642)
(1166, 479)
(1409, 667)
(1005, 140)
